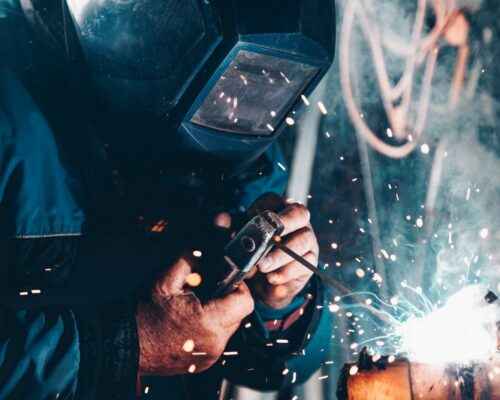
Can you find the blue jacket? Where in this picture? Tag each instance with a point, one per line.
(67, 344)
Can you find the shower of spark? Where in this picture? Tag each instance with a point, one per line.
(463, 330)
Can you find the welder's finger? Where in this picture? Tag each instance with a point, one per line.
(293, 271)
(251, 273)
(223, 220)
(267, 202)
(301, 242)
(232, 308)
(175, 277)
(294, 217)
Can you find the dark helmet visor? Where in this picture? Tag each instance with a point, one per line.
(253, 94)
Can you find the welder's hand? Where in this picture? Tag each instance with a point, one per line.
(280, 278)
(177, 333)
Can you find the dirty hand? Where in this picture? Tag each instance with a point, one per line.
(177, 333)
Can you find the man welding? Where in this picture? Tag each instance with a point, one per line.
(134, 133)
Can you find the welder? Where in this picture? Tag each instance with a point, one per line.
(132, 133)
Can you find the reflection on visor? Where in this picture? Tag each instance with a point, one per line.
(253, 94)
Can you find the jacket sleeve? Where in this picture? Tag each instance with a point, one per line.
(39, 355)
(56, 352)
(79, 352)
(275, 360)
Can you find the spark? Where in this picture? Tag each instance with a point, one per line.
(290, 121)
(353, 370)
(188, 346)
(304, 99)
(281, 166)
(333, 307)
(360, 272)
(273, 113)
(193, 279)
(334, 246)
(285, 77)
(322, 108)
(424, 148)
(192, 368)
(389, 132)
(197, 253)
(270, 127)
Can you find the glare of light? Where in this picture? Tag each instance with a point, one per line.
(290, 121)
(197, 253)
(463, 330)
(424, 148)
(353, 370)
(484, 233)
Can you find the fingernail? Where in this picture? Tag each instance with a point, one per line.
(266, 263)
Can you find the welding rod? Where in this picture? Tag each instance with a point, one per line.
(384, 317)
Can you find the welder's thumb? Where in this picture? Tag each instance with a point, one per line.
(175, 277)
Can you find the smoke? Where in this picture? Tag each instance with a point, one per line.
(432, 169)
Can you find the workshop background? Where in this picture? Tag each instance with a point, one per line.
(396, 155)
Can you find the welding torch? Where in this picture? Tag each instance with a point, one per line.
(252, 243)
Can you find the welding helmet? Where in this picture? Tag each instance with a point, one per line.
(201, 80)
